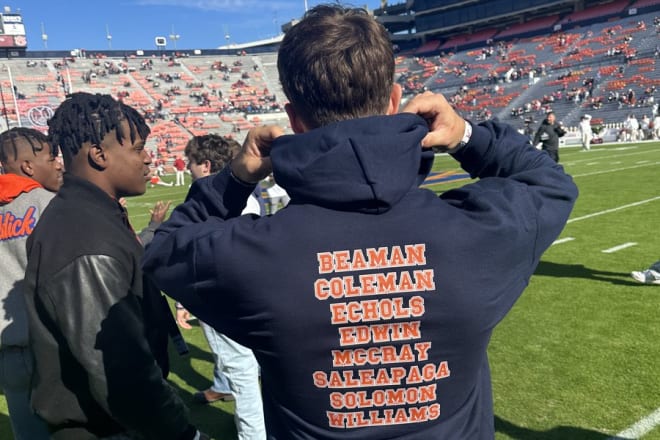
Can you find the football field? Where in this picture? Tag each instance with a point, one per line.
(578, 357)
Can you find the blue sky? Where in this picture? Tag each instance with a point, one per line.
(134, 24)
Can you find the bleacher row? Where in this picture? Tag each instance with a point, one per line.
(515, 81)
(180, 97)
(591, 70)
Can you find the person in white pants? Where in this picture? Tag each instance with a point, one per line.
(586, 134)
(235, 368)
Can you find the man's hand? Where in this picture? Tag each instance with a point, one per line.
(159, 211)
(446, 127)
(182, 317)
(252, 163)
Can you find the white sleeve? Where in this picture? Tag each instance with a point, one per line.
(252, 206)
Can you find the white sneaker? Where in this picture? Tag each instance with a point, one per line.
(646, 276)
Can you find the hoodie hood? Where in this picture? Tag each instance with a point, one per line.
(13, 185)
(365, 164)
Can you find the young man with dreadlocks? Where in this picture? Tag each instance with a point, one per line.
(97, 328)
(369, 302)
(32, 175)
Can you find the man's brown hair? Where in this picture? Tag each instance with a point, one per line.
(218, 150)
(336, 64)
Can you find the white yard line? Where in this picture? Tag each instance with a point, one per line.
(595, 173)
(618, 248)
(607, 211)
(614, 154)
(640, 428)
(562, 240)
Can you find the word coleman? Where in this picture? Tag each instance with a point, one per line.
(361, 304)
(15, 227)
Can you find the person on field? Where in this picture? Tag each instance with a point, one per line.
(98, 329)
(369, 302)
(648, 276)
(548, 135)
(32, 174)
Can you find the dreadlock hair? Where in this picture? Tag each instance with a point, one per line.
(212, 147)
(9, 149)
(85, 117)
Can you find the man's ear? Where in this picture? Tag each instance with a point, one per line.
(207, 167)
(26, 168)
(395, 99)
(97, 157)
(297, 125)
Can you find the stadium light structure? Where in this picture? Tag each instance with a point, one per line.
(108, 36)
(227, 36)
(174, 37)
(44, 36)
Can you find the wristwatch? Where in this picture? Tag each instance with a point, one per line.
(467, 134)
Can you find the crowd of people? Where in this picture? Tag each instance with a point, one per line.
(330, 297)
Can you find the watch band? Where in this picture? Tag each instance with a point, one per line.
(467, 134)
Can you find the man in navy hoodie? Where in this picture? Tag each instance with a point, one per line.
(368, 302)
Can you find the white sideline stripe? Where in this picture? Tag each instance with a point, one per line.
(562, 240)
(607, 211)
(141, 215)
(640, 428)
(619, 247)
(615, 169)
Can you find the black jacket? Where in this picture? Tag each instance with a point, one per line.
(95, 326)
(549, 135)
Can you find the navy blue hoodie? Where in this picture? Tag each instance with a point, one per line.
(368, 302)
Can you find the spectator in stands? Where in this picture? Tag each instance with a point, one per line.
(180, 169)
(31, 176)
(101, 353)
(548, 135)
(322, 290)
(235, 371)
(586, 133)
(648, 276)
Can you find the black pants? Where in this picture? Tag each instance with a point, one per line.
(554, 154)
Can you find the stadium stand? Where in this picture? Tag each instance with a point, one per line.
(600, 60)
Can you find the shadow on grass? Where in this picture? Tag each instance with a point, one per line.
(557, 433)
(217, 419)
(182, 366)
(548, 268)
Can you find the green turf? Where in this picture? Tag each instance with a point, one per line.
(577, 358)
